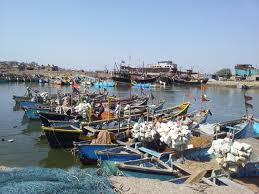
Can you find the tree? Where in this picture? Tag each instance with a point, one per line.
(225, 72)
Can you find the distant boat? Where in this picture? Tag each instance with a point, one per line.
(194, 82)
(256, 127)
(104, 84)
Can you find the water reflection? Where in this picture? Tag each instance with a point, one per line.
(57, 158)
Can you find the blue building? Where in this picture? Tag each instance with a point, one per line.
(245, 70)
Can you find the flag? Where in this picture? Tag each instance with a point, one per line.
(76, 87)
(204, 87)
(247, 98)
(204, 98)
(249, 105)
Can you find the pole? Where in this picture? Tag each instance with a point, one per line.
(109, 102)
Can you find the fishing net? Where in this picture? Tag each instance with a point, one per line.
(46, 180)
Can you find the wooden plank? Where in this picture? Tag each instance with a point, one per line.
(149, 151)
(231, 183)
(182, 167)
(196, 177)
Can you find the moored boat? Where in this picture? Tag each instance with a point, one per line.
(235, 128)
(63, 137)
(122, 153)
(256, 127)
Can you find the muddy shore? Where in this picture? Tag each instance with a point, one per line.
(233, 84)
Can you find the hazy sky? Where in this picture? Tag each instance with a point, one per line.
(203, 34)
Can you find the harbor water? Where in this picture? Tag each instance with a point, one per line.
(28, 150)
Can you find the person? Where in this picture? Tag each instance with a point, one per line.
(157, 122)
(28, 92)
(87, 98)
(141, 119)
(117, 110)
(100, 109)
(93, 105)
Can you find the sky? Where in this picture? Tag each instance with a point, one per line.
(205, 35)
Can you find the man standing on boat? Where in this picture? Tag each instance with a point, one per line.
(118, 110)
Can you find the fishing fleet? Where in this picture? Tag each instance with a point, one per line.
(142, 137)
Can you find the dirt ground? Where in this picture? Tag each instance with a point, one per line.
(130, 185)
(251, 182)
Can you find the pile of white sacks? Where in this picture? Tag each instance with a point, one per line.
(230, 155)
(83, 109)
(173, 134)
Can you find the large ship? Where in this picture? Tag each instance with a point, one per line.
(127, 74)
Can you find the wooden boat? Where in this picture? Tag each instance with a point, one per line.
(144, 80)
(172, 112)
(32, 113)
(151, 168)
(87, 151)
(63, 137)
(237, 127)
(33, 104)
(146, 165)
(49, 118)
(122, 153)
(197, 117)
(138, 109)
(191, 82)
(256, 127)
(18, 99)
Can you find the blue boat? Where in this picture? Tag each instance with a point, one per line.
(142, 85)
(256, 127)
(33, 104)
(120, 154)
(32, 113)
(237, 127)
(104, 84)
(19, 99)
(87, 150)
(151, 168)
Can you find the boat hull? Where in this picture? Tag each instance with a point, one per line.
(87, 151)
(61, 138)
(32, 113)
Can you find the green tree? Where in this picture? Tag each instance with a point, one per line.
(225, 72)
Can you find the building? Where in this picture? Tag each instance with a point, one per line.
(245, 70)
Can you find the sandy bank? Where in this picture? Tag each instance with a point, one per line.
(129, 185)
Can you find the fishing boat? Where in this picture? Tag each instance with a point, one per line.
(197, 117)
(148, 85)
(256, 127)
(32, 113)
(152, 168)
(18, 99)
(172, 112)
(122, 153)
(104, 84)
(190, 82)
(221, 130)
(144, 80)
(63, 137)
(49, 118)
(138, 109)
(87, 151)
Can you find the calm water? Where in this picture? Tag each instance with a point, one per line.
(28, 150)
